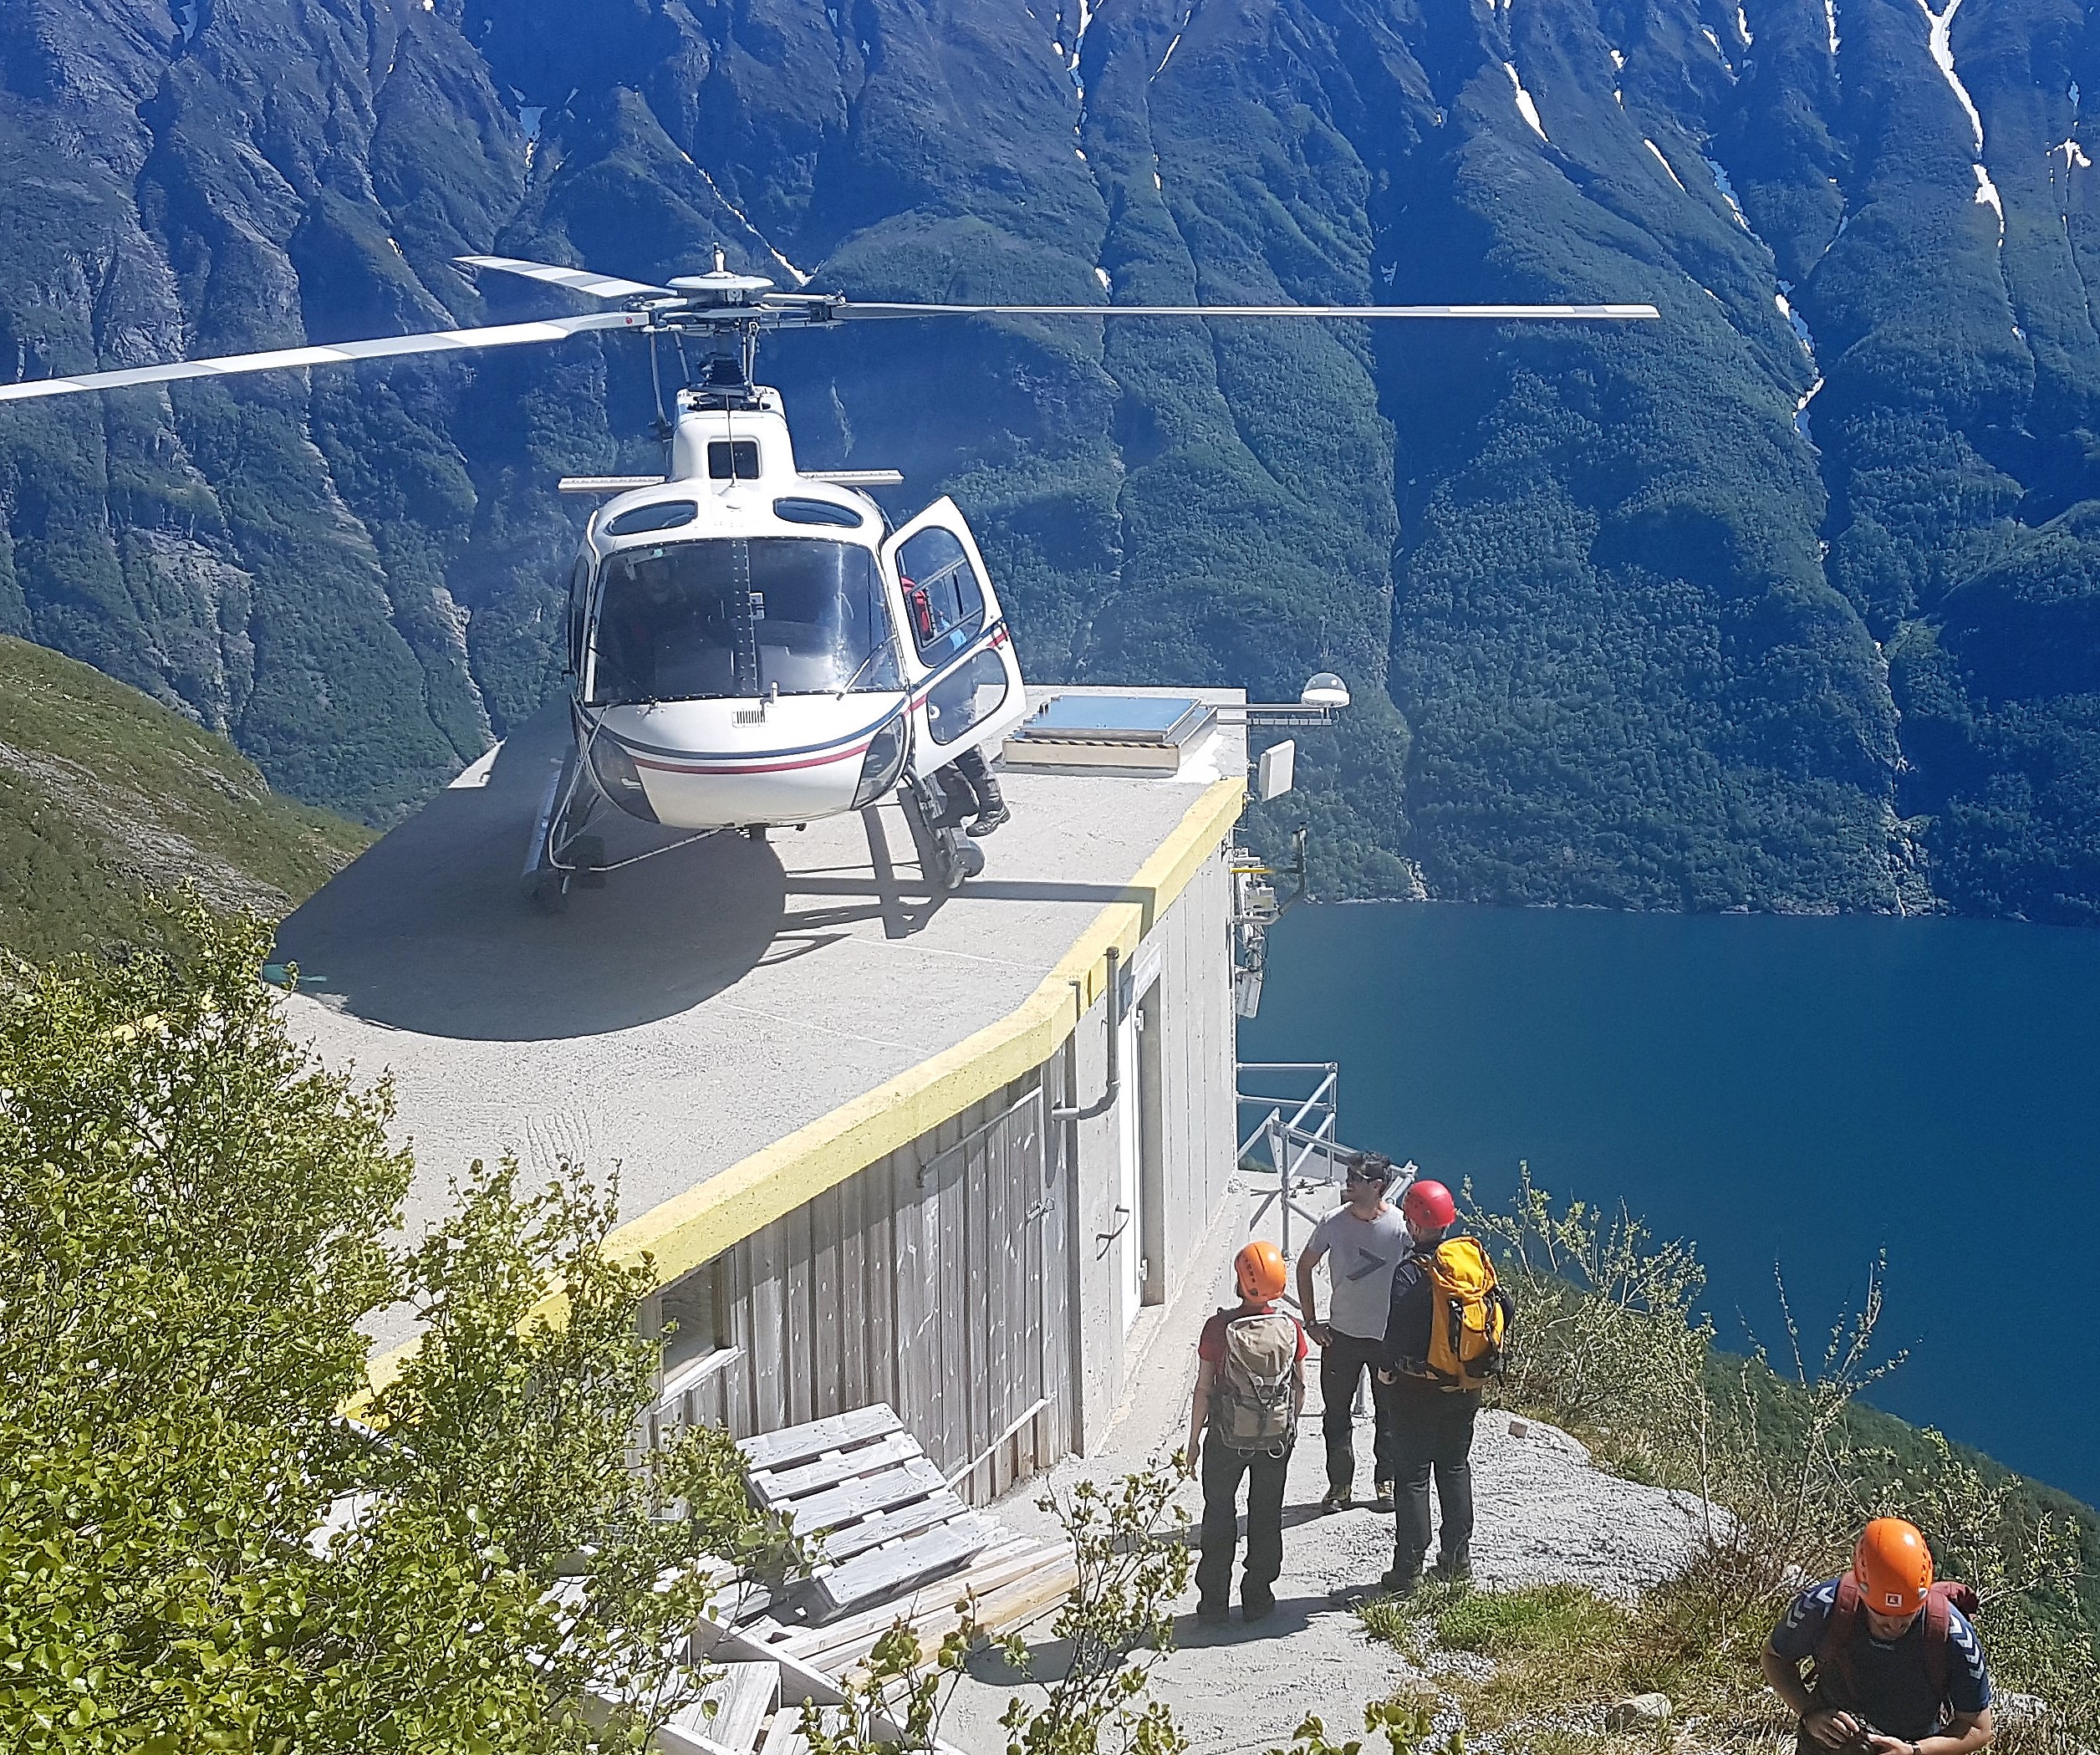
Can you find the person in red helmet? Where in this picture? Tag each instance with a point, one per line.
(1897, 1668)
(1250, 1384)
(1445, 1287)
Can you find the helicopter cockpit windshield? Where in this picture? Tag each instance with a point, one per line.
(718, 618)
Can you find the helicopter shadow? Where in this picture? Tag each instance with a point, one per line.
(429, 929)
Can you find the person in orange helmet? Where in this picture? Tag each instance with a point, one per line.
(1896, 1667)
(1250, 1383)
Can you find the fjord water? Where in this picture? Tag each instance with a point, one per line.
(1807, 1091)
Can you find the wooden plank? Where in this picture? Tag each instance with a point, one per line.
(1013, 1370)
(1018, 1601)
(730, 1407)
(852, 1499)
(783, 1736)
(842, 1543)
(950, 1445)
(799, 1681)
(854, 1390)
(879, 1224)
(828, 1313)
(798, 1355)
(769, 1330)
(774, 1488)
(732, 1708)
(883, 1572)
(997, 1565)
(916, 1348)
(794, 1444)
(1059, 1227)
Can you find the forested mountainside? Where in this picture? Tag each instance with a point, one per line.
(1791, 600)
(105, 797)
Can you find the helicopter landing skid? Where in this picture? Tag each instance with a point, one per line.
(562, 857)
(947, 855)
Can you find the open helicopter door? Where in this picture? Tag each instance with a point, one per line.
(965, 680)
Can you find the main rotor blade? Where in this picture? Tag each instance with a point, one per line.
(577, 280)
(442, 341)
(848, 308)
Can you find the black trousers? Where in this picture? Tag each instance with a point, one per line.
(976, 775)
(1222, 1469)
(1343, 1361)
(1434, 1433)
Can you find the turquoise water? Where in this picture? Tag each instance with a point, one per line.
(1803, 1091)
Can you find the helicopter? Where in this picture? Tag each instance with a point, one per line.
(749, 645)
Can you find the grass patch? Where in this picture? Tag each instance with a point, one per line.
(1558, 1654)
(1547, 1620)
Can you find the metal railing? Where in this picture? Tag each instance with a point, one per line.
(1294, 1132)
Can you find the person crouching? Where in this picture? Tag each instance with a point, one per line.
(1250, 1385)
(1897, 1668)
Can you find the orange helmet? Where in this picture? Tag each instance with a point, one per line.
(1893, 1567)
(1259, 1269)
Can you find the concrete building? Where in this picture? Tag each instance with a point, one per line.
(866, 1132)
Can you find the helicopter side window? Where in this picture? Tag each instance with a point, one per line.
(732, 460)
(664, 515)
(724, 618)
(579, 585)
(942, 596)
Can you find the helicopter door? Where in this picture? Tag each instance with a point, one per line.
(965, 682)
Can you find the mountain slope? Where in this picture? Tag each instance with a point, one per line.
(103, 792)
(1699, 614)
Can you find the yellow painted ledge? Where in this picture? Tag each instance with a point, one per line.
(694, 1228)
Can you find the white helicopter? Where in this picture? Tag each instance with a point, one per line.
(749, 645)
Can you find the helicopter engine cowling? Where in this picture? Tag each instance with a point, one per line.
(736, 763)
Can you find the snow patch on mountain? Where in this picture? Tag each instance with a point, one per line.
(1525, 107)
(1939, 29)
(1720, 174)
(1987, 197)
(1662, 161)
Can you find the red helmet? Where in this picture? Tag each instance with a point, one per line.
(1260, 1270)
(1428, 1205)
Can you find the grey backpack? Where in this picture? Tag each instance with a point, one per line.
(1252, 1398)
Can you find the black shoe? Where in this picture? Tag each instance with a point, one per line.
(1338, 1499)
(1207, 1610)
(1255, 1604)
(1381, 1496)
(990, 820)
(1397, 1583)
(1454, 1567)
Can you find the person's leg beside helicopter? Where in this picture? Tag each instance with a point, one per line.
(984, 786)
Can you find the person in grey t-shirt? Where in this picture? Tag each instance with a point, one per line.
(1362, 1240)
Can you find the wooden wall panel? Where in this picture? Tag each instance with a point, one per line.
(937, 1280)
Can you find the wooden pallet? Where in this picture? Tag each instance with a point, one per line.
(896, 1543)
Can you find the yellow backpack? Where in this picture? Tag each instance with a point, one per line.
(1469, 1325)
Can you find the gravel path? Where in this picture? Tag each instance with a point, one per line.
(1543, 1513)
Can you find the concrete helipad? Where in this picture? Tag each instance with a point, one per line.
(709, 1000)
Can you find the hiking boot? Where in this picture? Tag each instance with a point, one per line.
(1208, 1610)
(1254, 1605)
(1398, 1582)
(1382, 1496)
(1338, 1499)
(989, 820)
(1454, 1567)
